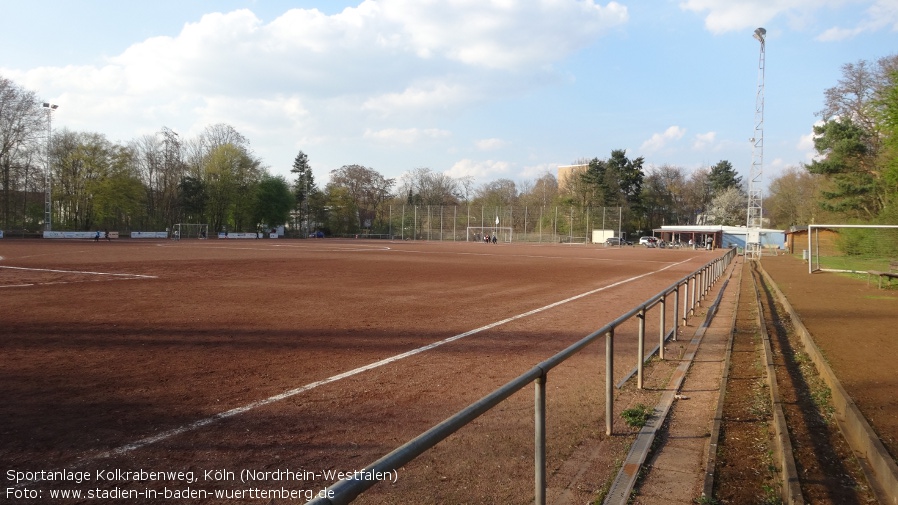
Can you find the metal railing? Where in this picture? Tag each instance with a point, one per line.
(694, 287)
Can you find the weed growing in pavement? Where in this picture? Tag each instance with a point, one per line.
(637, 416)
(771, 496)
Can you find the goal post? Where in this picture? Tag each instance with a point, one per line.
(189, 230)
(850, 247)
(477, 233)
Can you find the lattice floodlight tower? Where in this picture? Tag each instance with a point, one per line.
(48, 201)
(755, 204)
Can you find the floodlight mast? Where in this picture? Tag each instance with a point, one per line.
(755, 202)
(48, 202)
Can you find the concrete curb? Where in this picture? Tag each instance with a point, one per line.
(623, 484)
(782, 444)
(711, 453)
(881, 470)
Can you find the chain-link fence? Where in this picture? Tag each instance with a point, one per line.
(519, 224)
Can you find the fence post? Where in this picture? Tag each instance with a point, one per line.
(662, 324)
(609, 381)
(539, 447)
(676, 312)
(694, 280)
(640, 348)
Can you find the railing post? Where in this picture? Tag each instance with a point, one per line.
(692, 291)
(609, 381)
(676, 312)
(662, 323)
(640, 348)
(539, 446)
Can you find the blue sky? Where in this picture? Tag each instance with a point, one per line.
(483, 88)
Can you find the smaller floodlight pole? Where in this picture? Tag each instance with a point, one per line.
(755, 206)
(48, 202)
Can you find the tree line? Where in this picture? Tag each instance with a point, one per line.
(157, 180)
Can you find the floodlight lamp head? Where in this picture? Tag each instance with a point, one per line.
(759, 34)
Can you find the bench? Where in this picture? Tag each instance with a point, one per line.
(891, 273)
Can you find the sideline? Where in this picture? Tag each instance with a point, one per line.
(123, 277)
(143, 442)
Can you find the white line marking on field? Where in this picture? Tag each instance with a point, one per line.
(80, 272)
(293, 392)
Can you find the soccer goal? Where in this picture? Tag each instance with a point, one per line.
(189, 230)
(477, 233)
(850, 248)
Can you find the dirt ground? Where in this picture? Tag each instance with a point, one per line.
(265, 364)
(854, 324)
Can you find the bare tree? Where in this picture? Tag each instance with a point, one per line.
(793, 199)
(22, 124)
(365, 187)
(427, 187)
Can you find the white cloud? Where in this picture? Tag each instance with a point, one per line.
(723, 16)
(728, 15)
(480, 170)
(882, 14)
(433, 95)
(704, 140)
(507, 35)
(660, 140)
(406, 136)
(309, 74)
(806, 145)
(490, 144)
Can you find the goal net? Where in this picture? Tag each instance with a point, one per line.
(850, 248)
(189, 230)
(478, 233)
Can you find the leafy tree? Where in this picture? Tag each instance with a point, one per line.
(192, 199)
(365, 188)
(118, 198)
(273, 201)
(230, 178)
(341, 216)
(851, 140)
(629, 176)
(723, 176)
(597, 186)
(303, 188)
(82, 160)
(888, 120)
(849, 164)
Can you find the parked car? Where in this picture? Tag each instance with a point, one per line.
(648, 241)
(615, 241)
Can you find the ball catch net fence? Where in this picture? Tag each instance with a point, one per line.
(510, 224)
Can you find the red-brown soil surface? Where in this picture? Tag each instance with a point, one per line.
(855, 324)
(219, 356)
(224, 356)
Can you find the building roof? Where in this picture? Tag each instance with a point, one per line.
(730, 230)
